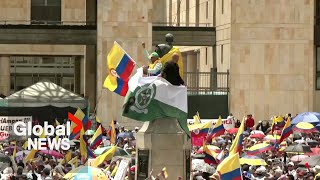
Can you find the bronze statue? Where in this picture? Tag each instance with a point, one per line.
(163, 49)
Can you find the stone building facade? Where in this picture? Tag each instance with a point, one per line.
(268, 48)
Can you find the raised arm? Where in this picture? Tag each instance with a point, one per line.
(146, 53)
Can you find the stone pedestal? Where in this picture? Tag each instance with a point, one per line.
(162, 143)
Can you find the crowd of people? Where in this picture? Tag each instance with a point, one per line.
(279, 164)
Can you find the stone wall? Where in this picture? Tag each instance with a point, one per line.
(15, 11)
(128, 23)
(73, 12)
(272, 57)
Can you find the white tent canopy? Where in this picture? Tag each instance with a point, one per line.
(45, 94)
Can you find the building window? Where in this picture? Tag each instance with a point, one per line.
(45, 11)
(28, 70)
(318, 69)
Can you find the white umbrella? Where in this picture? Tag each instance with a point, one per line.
(256, 132)
(200, 165)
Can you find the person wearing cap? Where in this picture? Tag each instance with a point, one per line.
(291, 170)
(260, 173)
(154, 69)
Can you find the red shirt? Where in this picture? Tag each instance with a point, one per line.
(250, 122)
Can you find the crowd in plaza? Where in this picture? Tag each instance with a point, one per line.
(264, 154)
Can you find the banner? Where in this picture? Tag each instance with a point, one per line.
(227, 123)
(7, 124)
(122, 169)
(151, 98)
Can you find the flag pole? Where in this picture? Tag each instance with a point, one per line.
(115, 42)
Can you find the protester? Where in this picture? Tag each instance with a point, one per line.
(170, 71)
(154, 69)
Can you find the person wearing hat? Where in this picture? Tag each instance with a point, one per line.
(260, 173)
(154, 69)
(291, 170)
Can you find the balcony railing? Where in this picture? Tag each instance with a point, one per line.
(207, 83)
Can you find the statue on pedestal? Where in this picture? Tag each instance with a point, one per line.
(163, 108)
(163, 49)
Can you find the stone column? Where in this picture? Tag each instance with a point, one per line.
(90, 76)
(162, 143)
(5, 75)
(82, 79)
(77, 84)
(192, 69)
(113, 25)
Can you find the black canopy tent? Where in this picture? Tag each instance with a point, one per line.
(44, 101)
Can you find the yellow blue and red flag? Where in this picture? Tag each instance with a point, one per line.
(96, 138)
(209, 155)
(112, 133)
(229, 168)
(120, 66)
(86, 123)
(286, 131)
(277, 123)
(99, 124)
(236, 146)
(199, 132)
(217, 130)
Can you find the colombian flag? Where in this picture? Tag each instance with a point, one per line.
(83, 146)
(209, 155)
(237, 142)
(199, 132)
(286, 131)
(277, 122)
(112, 133)
(217, 130)
(96, 138)
(229, 168)
(120, 66)
(86, 123)
(99, 124)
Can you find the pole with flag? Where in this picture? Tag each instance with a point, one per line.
(112, 133)
(236, 146)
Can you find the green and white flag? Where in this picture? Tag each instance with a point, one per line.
(150, 98)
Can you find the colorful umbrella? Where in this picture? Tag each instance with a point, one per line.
(298, 148)
(86, 173)
(253, 161)
(259, 148)
(232, 130)
(211, 148)
(21, 155)
(312, 160)
(315, 151)
(10, 149)
(259, 136)
(298, 158)
(53, 153)
(310, 117)
(304, 127)
(272, 138)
